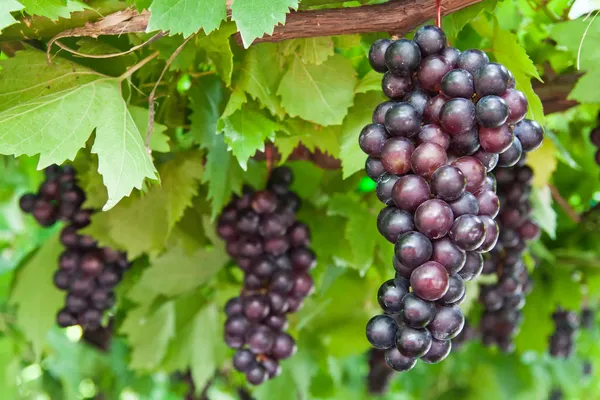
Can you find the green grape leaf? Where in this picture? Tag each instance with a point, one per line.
(568, 35)
(186, 16)
(319, 93)
(245, 132)
(141, 5)
(186, 58)
(353, 158)
(311, 50)
(543, 161)
(159, 141)
(6, 7)
(149, 335)
(36, 298)
(255, 18)
(129, 227)
(218, 50)
(456, 21)
(53, 9)
(371, 81)
(542, 212)
(57, 107)
(312, 136)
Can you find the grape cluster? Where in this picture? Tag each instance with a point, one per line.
(272, 249)
(452, 118)
(87, 273)
(504, 300)
(562, 340)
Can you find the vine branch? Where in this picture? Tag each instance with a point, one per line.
(564, 204)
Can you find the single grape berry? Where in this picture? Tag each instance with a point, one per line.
(491, 79)
(473, 170)
(430, 39)
(448, 183)
(284, 346)
(257, 374)
(468, 232)
(438, 352)
(432, 133)
(491, 111)
(449, 255)
(465, 143)
(530, 134)
(456, 290)
(413, 249)
(401, 56)
(393, 222)
(377, 54)
(390, 295)
(458, 83)
(434, 218)
(496, 140)
(432, 70)
(385, 185)
(416, 312)
(413, 342)
(473, 266)
(243, 360)
(489, 160)
(489, 204)
(427, 158)
(472, 60)
(409, 192)
(396, 155)
(433, 109)
(380, 111)
(418, 99)
(517, 105)
(457, 116)
(374, 168)
(397, 361)
(451, 55)
(402, 119)
(430, 281)
(465, 204)
(396, 86)
(512, 155)
(447, 323)
(27, 202)
(381, 331)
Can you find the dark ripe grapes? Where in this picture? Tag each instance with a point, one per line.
(44, 212)
(446, 253)
(433, 133)
(380, 111)
(416, 312)
(255, 308)
(256, 375)
(458, 83)
(91, 319)
(434, 218)
(413, 249)
(491, 112)
(396, 155)
(374, 168)
(430, 39)
(393, 222)
(248, 222)
(409, 192)
(430, 281)
(390, 296)
(381, 331)
(448, 183)
(433, 109)
(385, 185)
(496, 140)
(243, 360)
(489, 160)
(457, 116)
(517, 105)
(69, 261)
(303, 259)
(465, 143)
(491, 79)
(413, 342)
(299, 235)
(432, 70)
(456, 290)
(402, 270)
(427, 158)
(473, 170)
(473, 266)
(265, 202)
(447, 323)
(418, 99)
(472, 60)
(260, 339)
(530, 134)
(512, 155)
(272, 367)
(402, 57)
(438, 352)
(64, 318)
(594, 138)
(282, 282)
(276, 322)
(62, 279)
(396, 86)
(529, 231)
(303, 285)
(377, 54)
(468, 232)
(402, 119)
(489, 204)
(397, 361)
(465, 204)
(27, 202)
(92, 264)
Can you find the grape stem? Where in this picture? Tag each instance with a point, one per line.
(564, 204)
(438, 17)
(269, 158)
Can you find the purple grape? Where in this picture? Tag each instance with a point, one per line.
(418, 99)
(243, 360)
(236, 326)
(64, 319)
(27, 202)
(265, 202)
(465, 204)
(248, 222)
(69, 261)
(430, 281)
(434, 218)
(398, 362)
(491, 79)
(472, 60)
(234, 342)
(489, 160)
(272, 367)
(451, 55)
(380, 111)
(276, 322)
(396, 155)
(413, 342)
(374, 168)
(381, 331)
(416, 312)
(458, 83)
(432, 70)
(256, 307)
(529, 231)
(438, 352)
(446, 253)
(260, 339)
(377, 54)
(427, 158)
(468, 232)
(492, 112)
(409, 192)
(432, 133)
(401, 270)
(402, 119)
(393, 222)
(299, 235)
(92, 264)
(512, 155)
(303, 285)
(44, 212)
(277, 302)
(489, 204)
(396, 86)
(282, 282)
(385, 185)
(434, 108)
(530, 134)
(390, 295)
(448, 183)
(448, 323)
(466, 143)
(473, 170)
(234, 306)
(413, 249)
(473, 266)
(456, 290)
(489, 183)
(91, 319)
(430, 39)
(402, 57)
(256, 375)
(517, 105)
(457, 116)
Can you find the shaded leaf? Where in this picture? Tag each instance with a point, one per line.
(186, 16)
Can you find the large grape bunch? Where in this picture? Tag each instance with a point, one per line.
(452, 117)
(503, 300)
(272, 249)
(562, 340)
(87, 272)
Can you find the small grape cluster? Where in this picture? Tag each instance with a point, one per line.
(87, 273)
(272, 249)
(562, 340)
(453, 117)
(504, 300)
